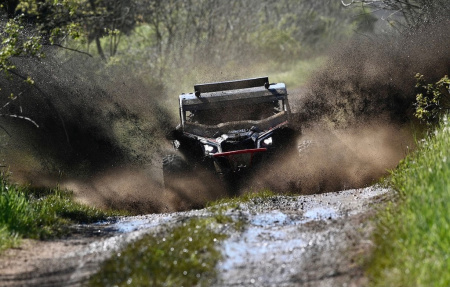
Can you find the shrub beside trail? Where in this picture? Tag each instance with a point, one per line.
(39, 213)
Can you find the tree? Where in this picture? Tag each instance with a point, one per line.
(85, 20)
(415, 13)
(13, 44)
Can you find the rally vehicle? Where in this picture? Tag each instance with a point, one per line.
(229, 128)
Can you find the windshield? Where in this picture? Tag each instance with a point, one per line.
(249, 112)
(213, 130)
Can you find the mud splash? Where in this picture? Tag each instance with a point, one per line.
(374, 77)
(357, 112)
(337, 159)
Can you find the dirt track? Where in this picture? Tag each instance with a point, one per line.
(317, 240)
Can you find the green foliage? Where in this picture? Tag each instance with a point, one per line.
(7, 239)
(39, 213)
(413, 233)
(16, 212)
(179, 35)
(13, 43)
(433, 99)
(58, 21)
(297, 73)
(168, 38)
(185, 255)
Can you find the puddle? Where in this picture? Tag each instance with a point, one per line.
(129, 226)
(267, 236)
(270, 219)
(320, 213)
(259, 245)
(271, 235)
(133, 224)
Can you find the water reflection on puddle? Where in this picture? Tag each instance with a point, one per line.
(129, 226)
(270, 234)
(270, 219)
(132, 224)
(259, 244)
(320, 213)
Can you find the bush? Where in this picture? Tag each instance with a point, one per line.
(39, 213)
(433, 99)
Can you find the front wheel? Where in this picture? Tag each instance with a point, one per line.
(188, 186)
(173, 165)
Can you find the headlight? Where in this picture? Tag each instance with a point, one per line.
(209, 149)
(267, 141)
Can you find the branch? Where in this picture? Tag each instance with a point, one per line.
(71, 49)
(346, 5)
(20, 117)
(1, 127)
(48, 102)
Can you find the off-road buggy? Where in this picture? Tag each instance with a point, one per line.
(229, 128)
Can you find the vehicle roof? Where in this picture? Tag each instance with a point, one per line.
(234, 97)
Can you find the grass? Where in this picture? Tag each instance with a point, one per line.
(39, 213)
(234, 202)
(413, 233)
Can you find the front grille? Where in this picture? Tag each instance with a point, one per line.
(238, 145)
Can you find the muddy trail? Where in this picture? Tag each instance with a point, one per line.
(312, 240)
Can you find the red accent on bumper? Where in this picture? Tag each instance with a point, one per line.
(228, 153)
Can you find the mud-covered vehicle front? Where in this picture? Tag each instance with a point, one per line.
(229, 128)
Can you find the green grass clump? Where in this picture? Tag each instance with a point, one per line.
(413, 234)
(185, 255)
(233, 202)
(7, 239)
(39, 213)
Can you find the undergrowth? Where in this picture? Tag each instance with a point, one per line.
(413, 233)
(39, 213)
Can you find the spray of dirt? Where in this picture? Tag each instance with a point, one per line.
(374, 77)
(328, 160)
(101, 134)
(89, 119)
(357, 113)
(93, 121)
(140, 190)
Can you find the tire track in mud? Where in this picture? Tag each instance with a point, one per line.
(302, 241)
(310, 240)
